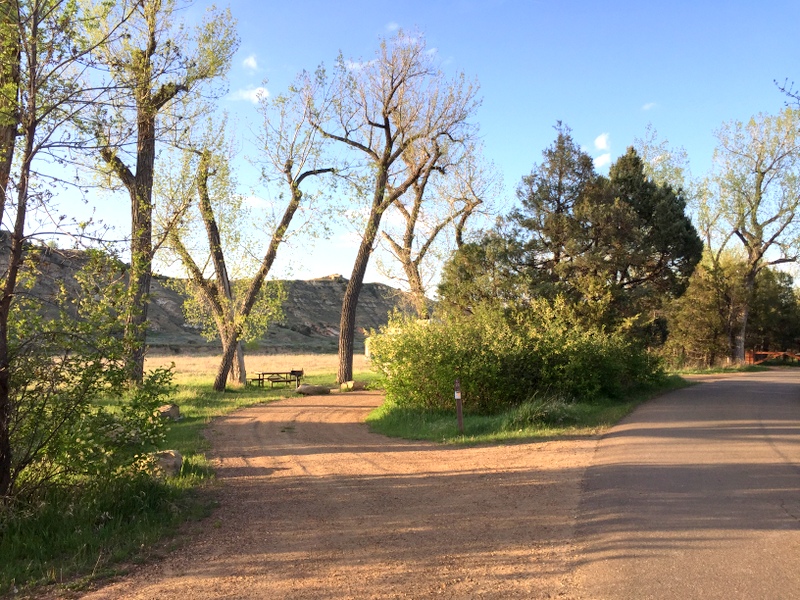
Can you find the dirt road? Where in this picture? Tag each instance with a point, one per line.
(313, 505)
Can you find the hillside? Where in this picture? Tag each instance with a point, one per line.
(311, 317)
(311, 310)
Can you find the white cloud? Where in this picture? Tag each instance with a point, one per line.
(392, 26)
(352, 65)
(649, 106)
(349, 240)
(602, 160)
(601, 142)
(257, 202)
(250, 62)
(250, 94)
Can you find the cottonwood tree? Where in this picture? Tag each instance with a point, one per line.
(45, 54)
(754, 196)
(455, 185)
(244, 307)
(207, 240)
(291, 158)
(397, 103)
(154, 72)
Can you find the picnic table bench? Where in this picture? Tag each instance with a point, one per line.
(273, 377)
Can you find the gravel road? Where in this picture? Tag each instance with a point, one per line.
(313, 505)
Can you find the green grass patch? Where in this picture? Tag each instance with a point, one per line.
(541, 417)
(72, 536)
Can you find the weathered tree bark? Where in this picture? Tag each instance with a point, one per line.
(347, 321)
(238, 371)
(8, 292)
(9, 121)
(741, 333)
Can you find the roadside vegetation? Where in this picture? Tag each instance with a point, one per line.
(545, 417)
(68, 534)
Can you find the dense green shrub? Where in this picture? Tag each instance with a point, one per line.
(75, 421)
(503, 357)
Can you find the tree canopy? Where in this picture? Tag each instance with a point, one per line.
(616, 247)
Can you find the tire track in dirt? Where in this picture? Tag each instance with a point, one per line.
(314, 505)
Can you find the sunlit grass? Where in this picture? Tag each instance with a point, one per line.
(71, 538)
(205, 367)
(551, 418)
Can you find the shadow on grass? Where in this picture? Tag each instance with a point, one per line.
(541, 421)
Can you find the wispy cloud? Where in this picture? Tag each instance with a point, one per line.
(257, 202)
(352, 65)
(349, 240)
(250, 62)
(602, 161)
(649, 106)
(392, 26)
(250, 94)
(601, 142)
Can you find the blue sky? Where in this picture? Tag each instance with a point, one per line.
(605, 69)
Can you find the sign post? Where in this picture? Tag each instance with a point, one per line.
(459, 407)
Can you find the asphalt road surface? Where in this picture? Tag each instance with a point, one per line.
(697, 496)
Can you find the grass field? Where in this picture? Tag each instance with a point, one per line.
(314, 365)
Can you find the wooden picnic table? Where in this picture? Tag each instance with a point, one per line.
(273, 377)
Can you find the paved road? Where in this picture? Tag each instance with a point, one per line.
(697, 495)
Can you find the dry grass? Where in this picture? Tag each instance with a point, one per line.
(206, 366)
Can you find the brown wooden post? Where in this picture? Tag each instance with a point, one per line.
(459, 407)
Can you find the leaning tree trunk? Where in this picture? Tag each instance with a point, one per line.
(8, 291)
(228, 351)
(347, 324)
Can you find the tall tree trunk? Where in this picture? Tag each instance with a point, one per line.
(8, 291)
(741, 332)
(141, 193)
(9, 120)
(136, 318)
(347, 322)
